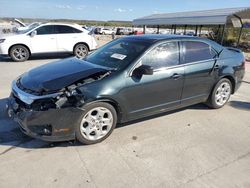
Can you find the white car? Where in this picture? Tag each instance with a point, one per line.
(107, 31)
(48, 38)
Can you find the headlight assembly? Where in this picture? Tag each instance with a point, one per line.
(2, 40)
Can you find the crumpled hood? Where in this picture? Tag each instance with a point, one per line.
(57, 75)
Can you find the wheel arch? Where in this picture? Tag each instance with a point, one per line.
(81, 43)
(115, 104)
(232, 80)
(21, 45)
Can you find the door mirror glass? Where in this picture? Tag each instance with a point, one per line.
(33, 33)
(143, 70)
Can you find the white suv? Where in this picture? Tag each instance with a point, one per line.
(48, 38)
(107, 31)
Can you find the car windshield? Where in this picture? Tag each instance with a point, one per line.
(118, 53)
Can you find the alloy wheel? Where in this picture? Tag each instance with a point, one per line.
(20, 53)
(81, 51)
(222, 93)
(96, 123)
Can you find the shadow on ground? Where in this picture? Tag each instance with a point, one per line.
(194, 107)
(7, 59)
(10, 135)
(240, 105)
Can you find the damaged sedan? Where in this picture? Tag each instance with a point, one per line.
(126, 79)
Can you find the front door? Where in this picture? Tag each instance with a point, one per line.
(45, 40)
(151, 93)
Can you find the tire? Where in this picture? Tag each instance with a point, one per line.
(103, 33)
(19, 53)
(91, 128)
(81, 51)
(220, 94)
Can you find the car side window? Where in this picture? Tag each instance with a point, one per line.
(62, 29)
(164, 55)
(46, 30)
(197, 51)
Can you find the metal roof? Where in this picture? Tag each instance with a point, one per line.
(205, 17)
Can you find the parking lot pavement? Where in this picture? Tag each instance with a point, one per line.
(192, 147)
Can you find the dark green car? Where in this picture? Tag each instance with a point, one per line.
(127, 79)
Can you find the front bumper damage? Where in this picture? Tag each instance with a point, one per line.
(50, 115)
(52, 124)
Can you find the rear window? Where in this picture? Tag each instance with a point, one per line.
(197, 51)
(62, 29)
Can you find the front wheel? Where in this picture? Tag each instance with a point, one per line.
(220, 94)
(19, 53)
(81, 51)
(97, 123)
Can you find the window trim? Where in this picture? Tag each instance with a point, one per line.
(183, 51)
(58, 33)
(138, 61)
(44, 26)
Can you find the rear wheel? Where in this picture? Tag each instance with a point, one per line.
(81, 51)
(97, 123)
(220, 94)
(19, 53)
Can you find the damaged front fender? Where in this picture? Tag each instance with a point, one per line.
(53, 124)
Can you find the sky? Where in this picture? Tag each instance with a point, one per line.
(126, 10)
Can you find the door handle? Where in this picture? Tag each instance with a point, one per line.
(176, 76)
(52, 38)
(216, 67)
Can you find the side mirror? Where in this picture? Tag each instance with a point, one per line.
(33, 33)
(143, 70)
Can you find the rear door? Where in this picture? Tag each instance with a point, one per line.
(67, 37)
(44, 40)
(199, 59)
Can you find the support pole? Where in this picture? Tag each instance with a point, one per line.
(185, 29)
(238, 41)
(200, 30)
(196, 30)
(172, 27)
(144, 29)
(158, 29)
(223, 34)
(218, 33)
(241, 22)
(175, 29)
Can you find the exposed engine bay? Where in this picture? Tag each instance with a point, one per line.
(67, 97)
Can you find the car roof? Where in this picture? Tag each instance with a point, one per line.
(157, 37)
(64, 24)
(154, 38)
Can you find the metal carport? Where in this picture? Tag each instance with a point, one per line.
(199, 19)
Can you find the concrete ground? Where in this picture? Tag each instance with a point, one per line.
(193, 147)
